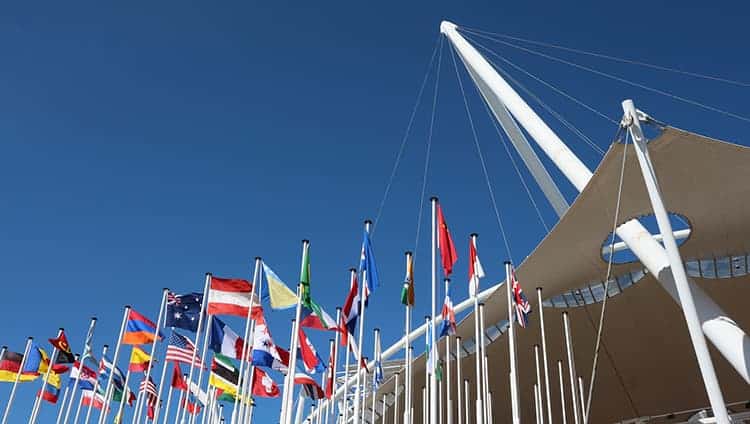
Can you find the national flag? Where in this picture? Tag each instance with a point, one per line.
(378, 376)
(105, 367)
(282, 365)
(51, 390)
(181, 349)
(448, 253)
(184, 310)
(407, 292)
(37, 361)
(264, 353)
(85, 372)
(92, 398)
(139, 330)
(64, 354)
(263, 385)
(281, 296)
(149, 388)
(350, 312)
(520, 303)
(178, 380)
(367, 264)
(139, 360)
(448, 326)
(9, 367)
(311, 389)
(432, 354)
(314, 316)
(304, 276)
(193, 408)
(310, 358)
(331, 376)
(475, 268)
(224, 374)
(230, 296)
(224, 340)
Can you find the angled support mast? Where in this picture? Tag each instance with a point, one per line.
(723, 333)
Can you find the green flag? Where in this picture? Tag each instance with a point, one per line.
(304, 276)
(407, 292)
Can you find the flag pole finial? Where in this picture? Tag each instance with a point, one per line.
(305, 241)
(433, 199)
(473, 235)
(507, 262)
(338, 308)
(408, 253)
(258, 258)
(368, 221)
(128, 307)
(539, 289)
(352, 269)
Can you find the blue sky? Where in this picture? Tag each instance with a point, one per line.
(145, 144)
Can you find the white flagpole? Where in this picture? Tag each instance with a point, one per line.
(289, 386)
(424, 405)
(166, 408)
(331, 373)
(345, 402)
(193, 417)
(433, 377)
(448, 399)
(159, 322)
(221, 415)
(395, 400)
(247, 345)
(489, 405)
(580, 396)
(571, 368)
(484, 376)
(427, 382)
(540, 413)
(300, 408)
(331, 409)
(86, 349)
(382, 411)
(65, 395)
(536, 404)
(466, 401)
(562, 391)
(181, 412)
(158, 408)
(410, 412)
(78, 409)
(125, 395)
(376, 358)
(407, 347)
(107, 392)
(515, 410)
(459, 397)
(362, 290)
(105, 348)
(440, 398)
(181, 403)
(479, 342)
(18, 377)
(38, 400)
(544, 355)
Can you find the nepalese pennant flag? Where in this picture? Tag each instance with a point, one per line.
(522, 305)
(367, 264)
(312, 361)
(448, 255)
(181, 349)
(448, 326)
(224, 340)
(139, 330)
(231, 296)
(311, 389)
(64, 354)
(475, 269)
(263, 385)
(184, 310)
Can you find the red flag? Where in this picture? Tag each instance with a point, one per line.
(263, 386)
(178, 382)
(331, 372)
(448, 253)
(64, 354)
(192, 407)
(231, 296)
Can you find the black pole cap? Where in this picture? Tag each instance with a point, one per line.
(368, 221)
(539, 288)
(472, 235)
(506, 262)
(408, 253)
(352, 269)
(258, 258)
(305, 241)
(433, 199)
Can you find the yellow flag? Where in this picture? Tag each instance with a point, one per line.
(139, 360)
(282, 297)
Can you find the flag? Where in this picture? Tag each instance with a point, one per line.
(181, 349)
(106, 366)
(92, 398)
(64, 354)
(310, 387)
(331, 373)
(304, 276)
(85, 372)
(350, 312)
(37, 361)
(51, 390)
(367, 264)
(378, 376)
(407, 293)
(313, 316)
(431, 349)
(178, 380)
(139, 360)
(149, 388)
(520, 303)
(448, 253)
(264, 353)
(310, 358)
(139, 330)
(282, 297)
(282, 365)
(224, 374)
(184, 310)
(448, 326)
(193, 408)
(9, 367)
(475, 268)
(263, 385)
(224, 340)
(230, 296)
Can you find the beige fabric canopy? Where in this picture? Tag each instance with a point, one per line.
(647, 364)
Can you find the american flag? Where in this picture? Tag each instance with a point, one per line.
(523, 307)
(180, 349)
(148, 386)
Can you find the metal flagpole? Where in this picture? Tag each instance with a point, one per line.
(247, 346)
(407, 343)
(485, 374)
(375, 357)
(478, 338)
(331, 372)
(159, 322)
(427, 382)
(289, 386)
(200, 370)
(410, 378)
(157, 410)
(86, 352)
(433, 377)
(78, 409)
(459, 397)
(181, 403)
(440, 395)
(363, 292)
(382, 410)
(515, 410)
(466, 401)
(536, 403)
(540, 417)
(344, 401)
(166, 408)
(448, 400)
(330, 409)
(674, 260)
(38, 400)
(490, 418)
(29, 341)
(395, 400)
(105, 348)
(562, 391)
(189, 381)
(125, 395)
(581, 397)
(300, 407)
(571, 367)
(107, 392)
(544, 355)
(64, 401)
(424, 406)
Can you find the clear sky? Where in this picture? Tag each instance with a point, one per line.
(144, 144)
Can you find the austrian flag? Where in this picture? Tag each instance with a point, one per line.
(231, 296)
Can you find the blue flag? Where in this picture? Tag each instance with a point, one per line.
(184, 310)
(367, 264)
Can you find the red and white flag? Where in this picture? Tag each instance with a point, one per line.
(263, 386)
(91, 398)
(231, 296)
(475, 268)
(448, 253)
(311, 388)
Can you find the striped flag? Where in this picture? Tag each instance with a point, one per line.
(231, 296)
(182, 350)
(522, 305)
(475, 269)
(448, 326)
(310, 387)
(149, 388)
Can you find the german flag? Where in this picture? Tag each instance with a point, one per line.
(9, 367)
